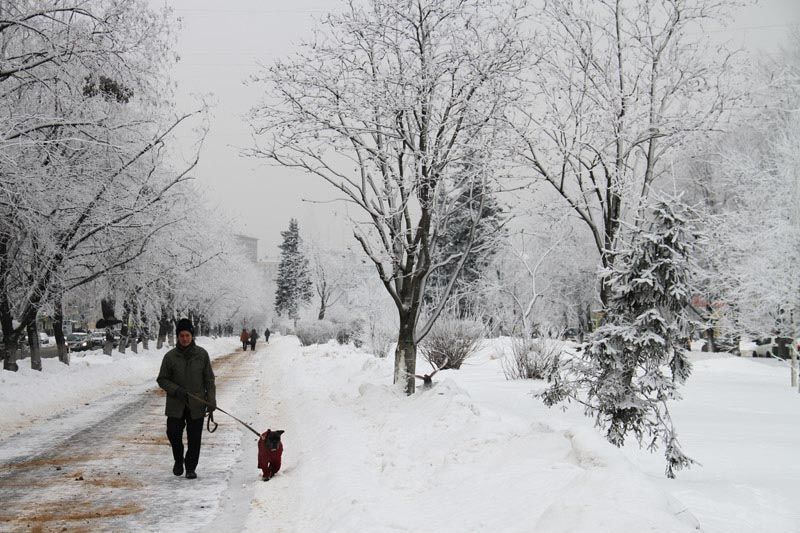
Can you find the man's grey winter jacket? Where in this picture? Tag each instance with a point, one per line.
(189, 368)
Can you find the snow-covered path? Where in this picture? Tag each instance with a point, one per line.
(361, 456)
(108, 466)
(474, 453)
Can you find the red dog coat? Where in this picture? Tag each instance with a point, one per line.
(269, 461)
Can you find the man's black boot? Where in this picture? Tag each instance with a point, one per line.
(178, 468)
(190, 474)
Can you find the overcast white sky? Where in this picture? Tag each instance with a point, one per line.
(222, 43)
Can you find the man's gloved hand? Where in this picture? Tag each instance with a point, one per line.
(211, 408)
(181, 393)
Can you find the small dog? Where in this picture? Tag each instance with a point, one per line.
(270, 450)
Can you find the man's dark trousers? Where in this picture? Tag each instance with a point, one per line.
(194, 432)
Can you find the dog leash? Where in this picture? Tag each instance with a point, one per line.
(211, 416)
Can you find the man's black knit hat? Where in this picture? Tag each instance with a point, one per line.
(184, 324)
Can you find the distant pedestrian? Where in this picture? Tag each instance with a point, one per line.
(266, 335)
(253, 339)
(186, 369)
(244, 336)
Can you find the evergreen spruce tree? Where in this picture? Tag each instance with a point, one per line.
(636, 359)
(454, 240)
(294, 280)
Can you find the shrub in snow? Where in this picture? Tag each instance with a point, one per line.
(377, 335)
(635, 360)
(316, 331)
(282, 325)
(532, 358)
(450, 342)
(343, 335)
(350, 332)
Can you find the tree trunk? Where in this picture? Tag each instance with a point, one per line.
(33, 344)
(145, 330)
(125, 331)
(405, 356)
(171, 330)
(163, 328)
(108, 346)
(58, 330)
(711, 343)
(133, 335)
(322, 306)
(10, 355)
(10, 337)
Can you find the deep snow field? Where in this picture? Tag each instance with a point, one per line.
(474, 453)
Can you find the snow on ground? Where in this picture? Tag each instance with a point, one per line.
(740, 419)
(478, 453)
(474, 453)
(28, 395)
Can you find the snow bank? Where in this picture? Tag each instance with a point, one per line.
(27, 396)
(470, 454)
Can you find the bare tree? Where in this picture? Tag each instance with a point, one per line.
(622, 87)
(334, 276)
(751, 194)
(82, 172)
(387, 101)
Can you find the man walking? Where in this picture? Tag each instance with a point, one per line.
(244, 337)
(266, 335)
(253, 339)
(186, 369)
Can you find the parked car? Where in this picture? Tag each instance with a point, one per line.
(79, 342)
(771, 347)
(43, 338)
(98, 338)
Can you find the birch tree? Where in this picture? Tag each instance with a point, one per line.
(384, 104)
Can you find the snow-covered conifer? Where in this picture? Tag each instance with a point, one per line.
(473, 202)
(294, 280)
(636, 359)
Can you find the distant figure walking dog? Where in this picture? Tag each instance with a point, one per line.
(253, 339)
(244, 336)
